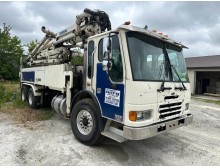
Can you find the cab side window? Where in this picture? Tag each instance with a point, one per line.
(116, 71)
(90, 59)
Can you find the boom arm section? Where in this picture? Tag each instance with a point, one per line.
(55, 48)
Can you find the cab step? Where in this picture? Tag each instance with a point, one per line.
(114, 136)
(113, 133)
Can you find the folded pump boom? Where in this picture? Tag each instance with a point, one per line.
(55, 48)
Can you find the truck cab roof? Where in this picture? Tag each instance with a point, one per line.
(144, 31)
(151, 33)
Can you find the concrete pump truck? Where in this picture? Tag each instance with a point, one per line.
(133, 84)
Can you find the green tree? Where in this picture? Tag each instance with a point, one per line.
(77, 60)
(77, 57)
(10, 53)
(31, 45)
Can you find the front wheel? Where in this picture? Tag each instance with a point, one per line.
(86, 122)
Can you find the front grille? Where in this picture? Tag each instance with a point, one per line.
(171, 97)
(171, 109)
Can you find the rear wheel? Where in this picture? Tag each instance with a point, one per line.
(33, 101)
(86, 122)
(24, 93)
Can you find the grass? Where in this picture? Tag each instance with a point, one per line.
(208, 101)
(11, 103)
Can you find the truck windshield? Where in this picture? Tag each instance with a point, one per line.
(148, 62)
(177, 60)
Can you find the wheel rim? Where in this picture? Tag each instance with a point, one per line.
(84, 122)
(30, 98)
(22, 95)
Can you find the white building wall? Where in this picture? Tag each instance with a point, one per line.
(192, 79)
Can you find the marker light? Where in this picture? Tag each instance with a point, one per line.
(154, 31)
(146, 27)
(127, 23)
(160, 33)
(132, 115)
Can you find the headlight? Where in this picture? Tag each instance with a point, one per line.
(187, 106)
(139, 115)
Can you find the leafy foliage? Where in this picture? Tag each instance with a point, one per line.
(77, 60)
(77, 57)
(2, 94)
(8, 92)
(10, 53)
(208, 100)
(31, 45)
(11, 103)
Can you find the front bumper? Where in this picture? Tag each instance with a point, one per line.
(132, 133)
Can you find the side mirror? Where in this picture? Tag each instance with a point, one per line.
(107, 54)
(106, 47)
(106, 65)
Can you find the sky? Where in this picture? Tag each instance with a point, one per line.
(194, 24)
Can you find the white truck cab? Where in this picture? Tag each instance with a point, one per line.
(131, 91)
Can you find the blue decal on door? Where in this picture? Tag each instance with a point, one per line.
(111, 99)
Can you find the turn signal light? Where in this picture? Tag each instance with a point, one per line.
(132, 115)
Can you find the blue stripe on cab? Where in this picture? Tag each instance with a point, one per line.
(28, 76)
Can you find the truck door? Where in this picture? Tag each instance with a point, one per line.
(110, 84)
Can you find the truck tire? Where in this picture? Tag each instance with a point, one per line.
(86, 122)
(33, 101)
(24, 93)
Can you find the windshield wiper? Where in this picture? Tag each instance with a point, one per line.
(180, 88)
(162, 88)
